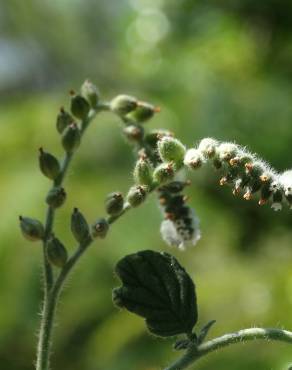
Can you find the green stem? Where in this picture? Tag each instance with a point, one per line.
(194, 352)
(50, 304)
(50, 296)
(48, 273)
(114, 218)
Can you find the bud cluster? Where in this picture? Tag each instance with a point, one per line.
(133, 113)
(244, 171)
(181, 226)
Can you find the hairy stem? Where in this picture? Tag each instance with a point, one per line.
(49, 309)
(194, 352)
(50, 293)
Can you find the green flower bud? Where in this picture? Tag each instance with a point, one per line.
(193, 158)
(56, 252)
(56, 197)
(79, 226)
(114, 203)
(100, 228)
(49, 165)
(79, 106)
(134, 132)
(226, 151)
(171, 149)
(123, 104)
(71, 138)
(90, 92)
(31, 229)
(163, 173)
(208, 147)
(63, 120)
(143, 172)
(154, 136)
(136, 195)
(142, 113)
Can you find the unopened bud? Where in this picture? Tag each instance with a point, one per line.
(223, 181)
(171, 149)
(143, 172)
(79, 106)
(79, 226)
(262, 202)
(264, 178)
(175, 186)
(247, 195)
(100, 228)
(241, 158)
(90, 92)
(56, 252)
(134, 132)
(208, 147)
(256, 169)
(56, 197)
(71, 138)
(248, 167)
(193, 159)
(154, 136)
(136, 195)
(63, 120)
(226, 151)
(234, 161)
(142, 113)
(123, 104)
(31, 229)
(114, 203)
(163, 173)
(49, 165)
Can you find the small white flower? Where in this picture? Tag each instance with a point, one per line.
(208, 147)
(226, 151)
(286, 182)
(180, 235)
(276, 206)
(193, 158)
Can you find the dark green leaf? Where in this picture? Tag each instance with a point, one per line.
(156, 287)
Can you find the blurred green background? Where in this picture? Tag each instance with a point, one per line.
(216, 68)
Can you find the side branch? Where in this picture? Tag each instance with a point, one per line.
(194, 353)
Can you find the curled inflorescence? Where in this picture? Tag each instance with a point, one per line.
(244, 171)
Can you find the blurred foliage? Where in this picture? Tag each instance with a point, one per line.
(217, 68)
